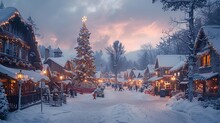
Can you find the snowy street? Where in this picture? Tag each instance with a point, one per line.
(116, 107)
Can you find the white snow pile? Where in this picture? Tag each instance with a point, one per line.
(194, 110)
(122, 113)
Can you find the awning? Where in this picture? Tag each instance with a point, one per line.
(35, 76)
(155, 78)
(204, 76)
(184, 82)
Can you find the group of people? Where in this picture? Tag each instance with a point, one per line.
(72, 93)
(135, 87)
(118, 87)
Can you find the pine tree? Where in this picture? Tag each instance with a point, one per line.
(3, 103)
(2, 6)
(85, 68)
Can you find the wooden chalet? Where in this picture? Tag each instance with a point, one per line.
(133, 76)
(207, 69)
(18, 51)
(59, 66)
(180, 76)
(163, 77)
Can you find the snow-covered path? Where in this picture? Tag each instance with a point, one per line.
(116, 107)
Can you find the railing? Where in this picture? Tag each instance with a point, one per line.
(13, 102)
(30, 99)
(26, 100)
(205, 69)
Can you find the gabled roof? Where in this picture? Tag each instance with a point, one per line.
(178, 66)
(212, 33)
(98, 74)
(168, 60)
(137, 72)
(7, 13)
(59, 60)
(150, 68)
(57, 50)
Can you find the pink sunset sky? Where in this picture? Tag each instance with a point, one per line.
(132, 22)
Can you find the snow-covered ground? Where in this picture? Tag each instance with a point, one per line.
(116, 107)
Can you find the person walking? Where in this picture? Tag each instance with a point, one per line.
(94, 95)
(136, 88)
(71, 93)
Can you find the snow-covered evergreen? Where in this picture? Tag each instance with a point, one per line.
(85, 68)
(3, 103)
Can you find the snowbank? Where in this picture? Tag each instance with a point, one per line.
(195, 111)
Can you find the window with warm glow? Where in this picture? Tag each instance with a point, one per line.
(199, 87)
(212, 86)
(166, 72)
(206, 60)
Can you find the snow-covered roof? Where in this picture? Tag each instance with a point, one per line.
(121, 80)
(59, 60)
(204, 76)
(7, 13)
(213, 35)
(57, 50)
(151, 68)
(35, 76)
(155, 78)
(184, 82)
(169, 60)
(129, 71)
(178, 66)
(137, 72)
(98, 74)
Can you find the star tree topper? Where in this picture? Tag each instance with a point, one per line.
(84, 19)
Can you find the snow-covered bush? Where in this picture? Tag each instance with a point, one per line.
(3, 103)
(215, 104)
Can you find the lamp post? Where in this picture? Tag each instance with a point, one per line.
(173, 82)
(41, 92)
(20, 76)
(61, 78)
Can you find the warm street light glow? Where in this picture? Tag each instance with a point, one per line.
(100, 81)
(20, 75)
(173, 78)
(61, 77)
(44, 72)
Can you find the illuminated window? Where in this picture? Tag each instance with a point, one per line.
(206, 61)
(178, 73)
(167, 72)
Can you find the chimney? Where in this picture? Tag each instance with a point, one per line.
(47, 54)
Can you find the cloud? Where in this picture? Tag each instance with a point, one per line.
(129, 21)
(101, 43)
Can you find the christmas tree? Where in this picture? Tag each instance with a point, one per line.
(85, 68)
(3, 103)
